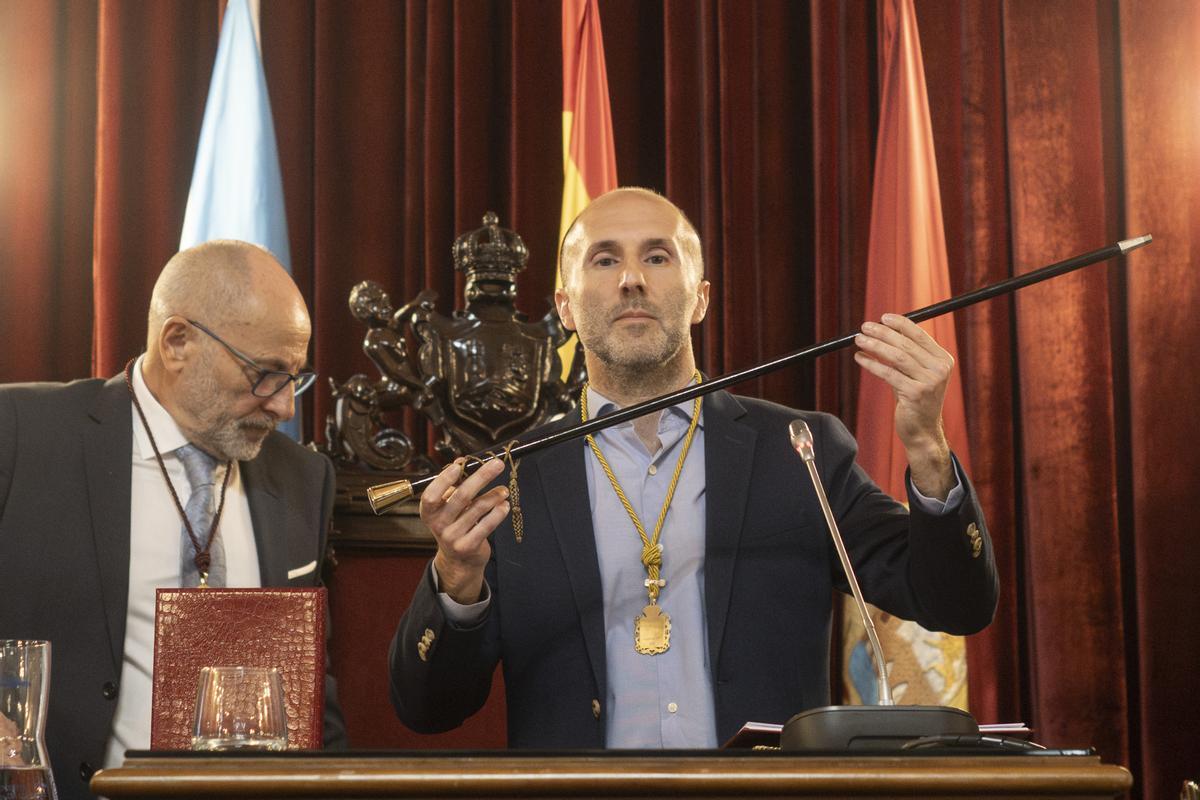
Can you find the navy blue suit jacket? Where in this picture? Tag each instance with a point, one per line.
(769, 572)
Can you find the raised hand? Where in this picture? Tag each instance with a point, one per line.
(899, 352)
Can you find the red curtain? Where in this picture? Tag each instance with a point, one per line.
(47, 162)
(152, 73)
(735, 100)
(1058, 127)
(963, 51)
(1066, 355)
(1158, 384)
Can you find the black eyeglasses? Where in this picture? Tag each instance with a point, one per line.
(269, 381)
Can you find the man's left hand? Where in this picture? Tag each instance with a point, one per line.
(897, 350)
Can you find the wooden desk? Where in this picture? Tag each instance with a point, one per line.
(604, 775)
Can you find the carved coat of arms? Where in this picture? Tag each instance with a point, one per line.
(481, 375)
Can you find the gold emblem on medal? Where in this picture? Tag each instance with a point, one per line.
(652, 631)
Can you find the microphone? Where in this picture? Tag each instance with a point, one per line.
(881, 727)
(802, 441)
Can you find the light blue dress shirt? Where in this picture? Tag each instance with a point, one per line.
(663, 700)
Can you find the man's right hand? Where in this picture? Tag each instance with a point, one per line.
(461, 523)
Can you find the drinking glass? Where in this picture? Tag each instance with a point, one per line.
(240, 708)
(24, 690)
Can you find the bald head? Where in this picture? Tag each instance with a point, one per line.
(576, 241)
(225, 283)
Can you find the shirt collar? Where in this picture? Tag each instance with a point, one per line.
(167, 434)
(599, 406)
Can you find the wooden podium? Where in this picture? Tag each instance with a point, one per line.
(707, 774)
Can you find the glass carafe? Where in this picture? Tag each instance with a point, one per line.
(24, 688)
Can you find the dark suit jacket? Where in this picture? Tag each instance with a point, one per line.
(65, 455)
(768, 574)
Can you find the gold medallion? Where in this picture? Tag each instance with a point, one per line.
(652, 631)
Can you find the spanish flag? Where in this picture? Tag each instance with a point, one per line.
(906, 268)
(589, 155)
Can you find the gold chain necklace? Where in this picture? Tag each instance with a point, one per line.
(652, 628)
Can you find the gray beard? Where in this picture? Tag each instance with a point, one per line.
(638, 357)
(638, 362)
(217, 432)
(225, 439)
(645, 374)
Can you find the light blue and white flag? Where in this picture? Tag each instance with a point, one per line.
(237, 188)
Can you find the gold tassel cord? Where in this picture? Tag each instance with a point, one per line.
(514, 489)
(651, 548)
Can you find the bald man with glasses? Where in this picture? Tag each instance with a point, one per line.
(168, 474)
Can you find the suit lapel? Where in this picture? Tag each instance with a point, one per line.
(728, 457)
(563, 477)
(108, 458)
(265, 514)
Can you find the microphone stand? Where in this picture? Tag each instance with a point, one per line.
(882, 726)
(384, 495)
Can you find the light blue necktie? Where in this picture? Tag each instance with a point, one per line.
(200, 467)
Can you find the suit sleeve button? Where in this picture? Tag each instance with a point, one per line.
(110, 690)
(596, 708)
(975, 538)
(86, 771)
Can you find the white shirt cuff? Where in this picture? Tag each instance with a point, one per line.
(461, 616)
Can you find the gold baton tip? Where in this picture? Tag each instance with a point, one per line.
(388, 494)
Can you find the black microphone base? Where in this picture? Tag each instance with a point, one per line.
(872, 727)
